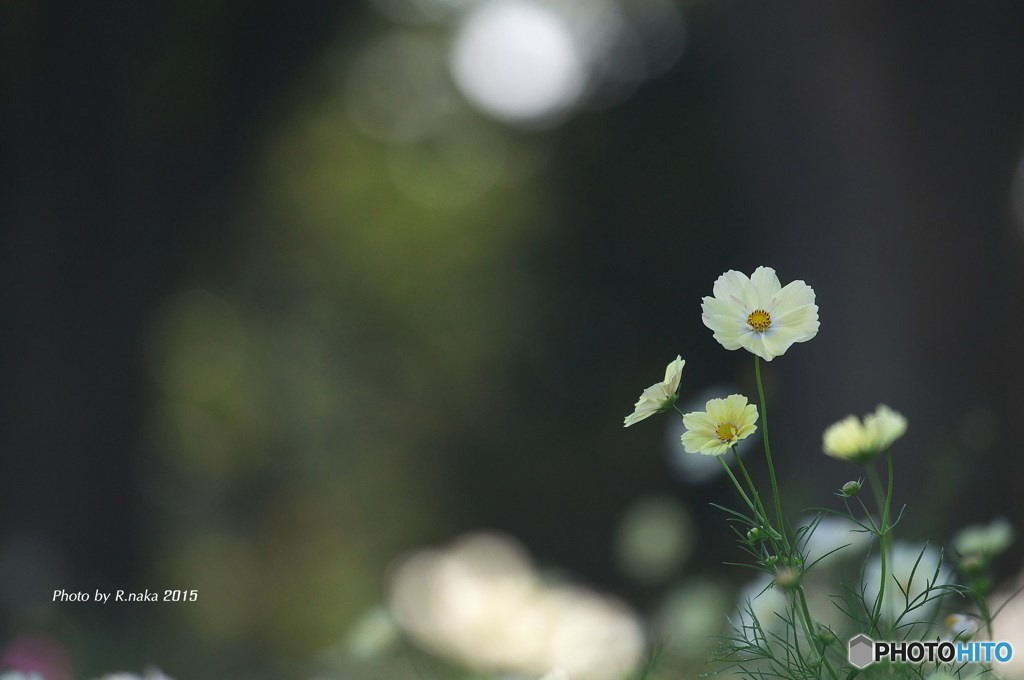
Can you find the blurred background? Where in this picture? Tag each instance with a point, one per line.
(293, 291)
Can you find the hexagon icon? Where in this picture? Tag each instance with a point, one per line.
(862, 651)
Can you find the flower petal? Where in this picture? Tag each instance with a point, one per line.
(754, 343)
(745, 431)
(714, 447)
(804, 318)
(699, 421)
(692, 441)
(732, 285)
(673, 372)
(793, 294)
(725, 311)
(749, 416)
(779, 339)
(718, 411)
(766, 285)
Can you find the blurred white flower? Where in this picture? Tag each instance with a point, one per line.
(724, 422)
(372, 634)
(658, 397)
(912, 570)
(848, 440)
(481, 603)
(762, 602)
(557, 674)
(150, 674)
(961, 626)
(860, 441)
(885, 426)
(985, 541)
(691, 617)
(830, 535)
(759, 314)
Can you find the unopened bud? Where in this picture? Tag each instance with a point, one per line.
(826, 635)
(851, 488)
(786, 578)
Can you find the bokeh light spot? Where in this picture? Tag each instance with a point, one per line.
(517, 61)
(654, 539)
(398, 89)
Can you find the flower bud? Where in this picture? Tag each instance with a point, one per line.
(851, 488)
(826, 635)
(786, 578)
(756, 535)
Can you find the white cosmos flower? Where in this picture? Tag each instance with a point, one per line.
(659, 396)
(862, 440)
(984, 540)
(759, 314)
(723, 423)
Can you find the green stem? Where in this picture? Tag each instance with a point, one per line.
(739, 487)
(876, 486)
(986, 615)
(884, 537)
(820, 646)
(768, 449)
(757, 499)
(803, 610)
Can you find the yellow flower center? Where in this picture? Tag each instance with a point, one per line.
(726, 432)
(759, 320)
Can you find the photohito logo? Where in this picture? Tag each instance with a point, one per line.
(864, 651)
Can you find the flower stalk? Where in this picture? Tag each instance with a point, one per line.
(884, 501)
(768, 448)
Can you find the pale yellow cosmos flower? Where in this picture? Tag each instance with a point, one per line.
(724, 422)
(862, 439)
(659, 396)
